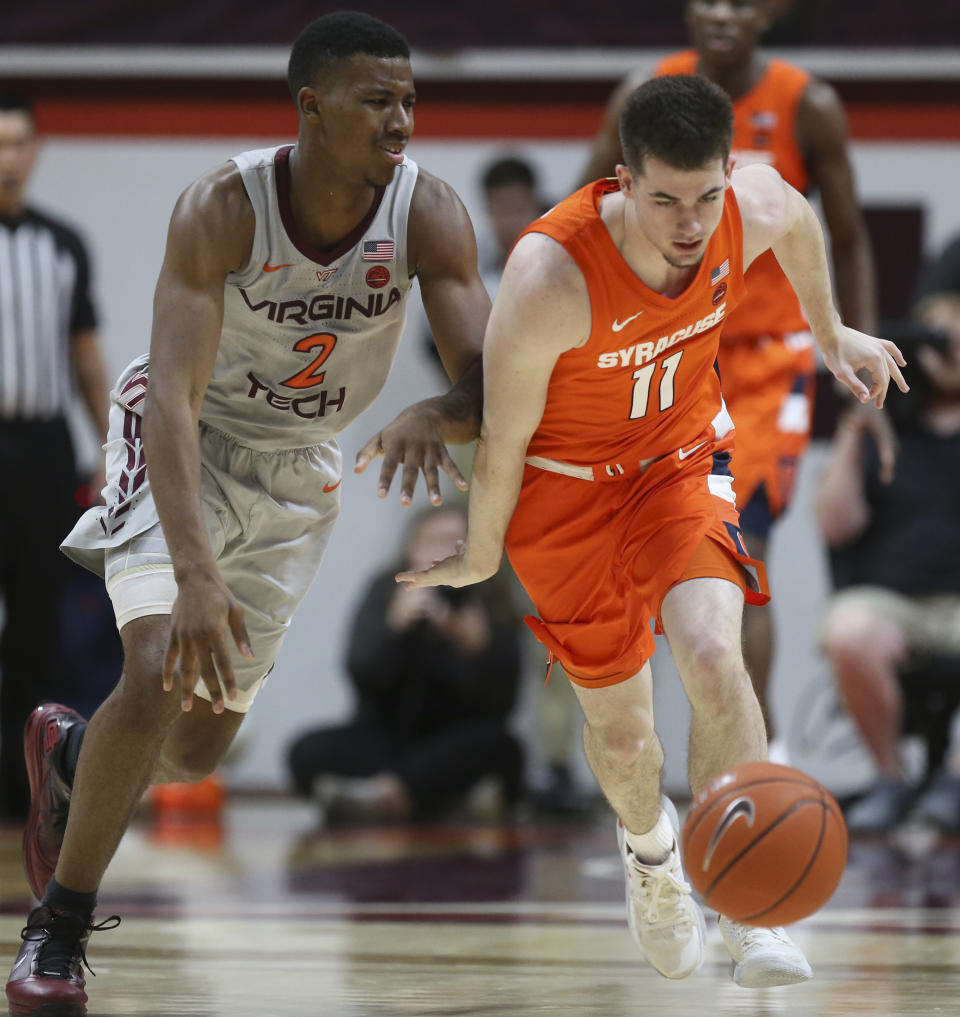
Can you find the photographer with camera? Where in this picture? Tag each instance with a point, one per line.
(895, 554)
(436, 673)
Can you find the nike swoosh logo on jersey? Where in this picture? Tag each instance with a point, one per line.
(267, 267)
(618, 326)
(683, 455)
(327, 488)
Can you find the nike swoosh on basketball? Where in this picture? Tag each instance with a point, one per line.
(267, 267)
(327, 488)
(683, 455)
(738, 807)
(618, 326)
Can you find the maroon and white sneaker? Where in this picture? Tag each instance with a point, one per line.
(43, 740)
(47, 979)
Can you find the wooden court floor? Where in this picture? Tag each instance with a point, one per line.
(264, 915)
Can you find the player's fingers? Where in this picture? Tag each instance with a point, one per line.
(188, 677)
(856, 386)
(409, 481)
(170, 662)
(372, 449)
(451, 469)
(881, 381)
(416, 580)
(224, 668)
(239, 630)
(894, 351)
(897, 375)
(387, 470)
(431, 477)
(208, 675)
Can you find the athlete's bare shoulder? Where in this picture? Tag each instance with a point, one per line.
(759, 190)
(439, 230)
(543, 278)
(214, 214)
(763, 198)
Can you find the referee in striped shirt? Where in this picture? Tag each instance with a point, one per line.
(48, 348)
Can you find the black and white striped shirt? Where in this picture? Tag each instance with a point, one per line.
(44, 299)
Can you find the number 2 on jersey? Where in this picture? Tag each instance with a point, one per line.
(309, 376)
(641, 385)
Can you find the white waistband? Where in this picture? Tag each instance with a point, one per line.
(556, 466)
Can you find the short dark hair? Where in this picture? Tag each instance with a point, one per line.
(509, 170)
(681, 119)
(16, 102)
(338, 36)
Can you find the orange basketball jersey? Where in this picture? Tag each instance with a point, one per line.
(644, 384)
(764, 131)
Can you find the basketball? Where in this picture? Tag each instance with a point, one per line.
(765, 844)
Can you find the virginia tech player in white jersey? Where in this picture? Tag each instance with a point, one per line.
(308, 336)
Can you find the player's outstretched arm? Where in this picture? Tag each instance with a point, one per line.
(542, 309)
(210, 235)
(442, 251)
(778, 217)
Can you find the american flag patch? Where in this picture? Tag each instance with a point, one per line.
(763, 121)
(378, 250)
(720, 272)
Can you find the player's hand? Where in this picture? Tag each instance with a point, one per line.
(197, 647)
(853, 352)
(415, 440)
(460, 569)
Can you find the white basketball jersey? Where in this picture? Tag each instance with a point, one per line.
(308, 336)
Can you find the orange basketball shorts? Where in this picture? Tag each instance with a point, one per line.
(598, 558)
(768, 385)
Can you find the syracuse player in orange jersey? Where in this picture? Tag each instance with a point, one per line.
(784, 118)
(603, 465)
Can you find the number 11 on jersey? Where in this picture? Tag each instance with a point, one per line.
(642, 380)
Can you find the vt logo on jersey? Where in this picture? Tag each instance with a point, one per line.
(640, 353)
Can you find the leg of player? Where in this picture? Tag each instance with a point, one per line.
(702, 621)
(758, 636)
(138, 726)
(625, 754)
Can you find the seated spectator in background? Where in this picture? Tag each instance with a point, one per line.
(435, 678)
(512, 198)
(895, 551)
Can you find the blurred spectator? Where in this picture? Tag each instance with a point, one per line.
(896, 560)
(512, 199)
(47, 345)
(435, 674)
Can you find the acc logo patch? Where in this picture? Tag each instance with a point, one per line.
(718, 294)
(379, 276)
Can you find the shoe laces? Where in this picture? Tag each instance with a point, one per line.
(757, 936)
(62, 936)
(661, 895)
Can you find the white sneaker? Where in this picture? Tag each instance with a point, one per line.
(665, 921)
(763, 957)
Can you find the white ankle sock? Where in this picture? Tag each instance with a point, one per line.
(653, 847)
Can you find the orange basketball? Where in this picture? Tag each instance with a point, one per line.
(765, 844)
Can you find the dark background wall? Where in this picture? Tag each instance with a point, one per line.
(439, 24)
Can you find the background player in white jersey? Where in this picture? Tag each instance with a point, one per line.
(277, 313)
